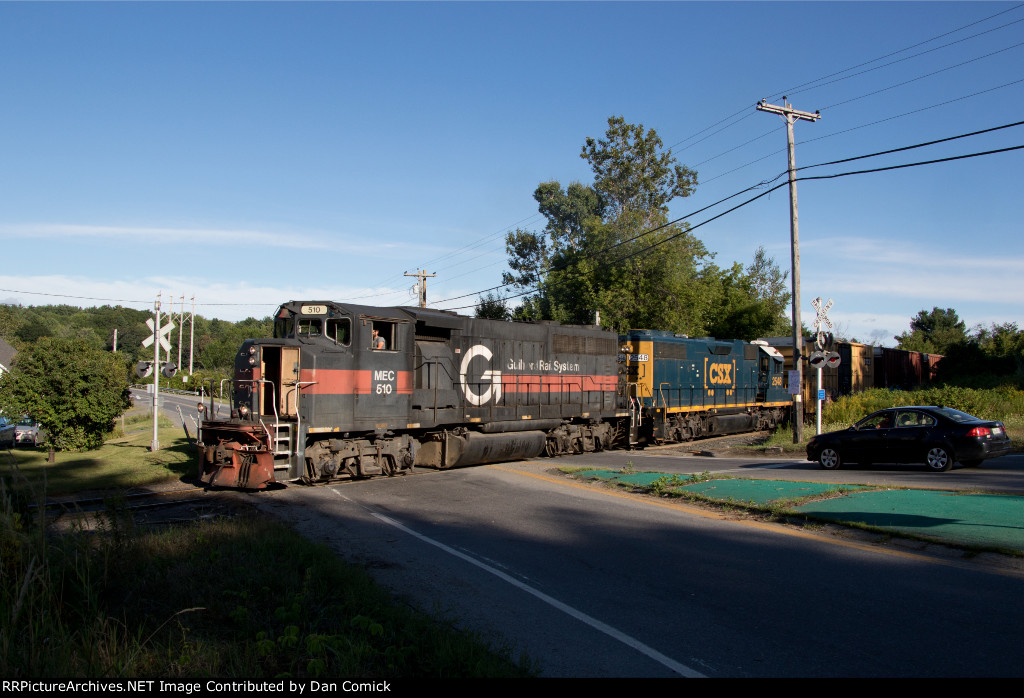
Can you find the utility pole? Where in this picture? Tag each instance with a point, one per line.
(422, 276)
(181, 326)
(155, 446)
(191, 335)
(790, 115)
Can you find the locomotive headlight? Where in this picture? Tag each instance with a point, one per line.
(252, 349)
(252, 360)
(243, 410)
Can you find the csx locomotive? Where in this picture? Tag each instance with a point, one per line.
(354, 391)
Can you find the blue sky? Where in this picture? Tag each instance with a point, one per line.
(251, 153)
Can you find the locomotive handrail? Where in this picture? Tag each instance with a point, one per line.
(661, 393)
(298, 413)
(273, 394)
(212, 403)
(270, 440)
(636, 414)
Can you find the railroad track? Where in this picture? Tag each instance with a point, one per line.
(179, 505)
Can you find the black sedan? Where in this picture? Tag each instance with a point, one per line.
(935, 436)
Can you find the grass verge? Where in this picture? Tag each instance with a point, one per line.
(123, 461)
(238, 597)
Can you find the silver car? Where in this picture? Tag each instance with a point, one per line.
(26, 431)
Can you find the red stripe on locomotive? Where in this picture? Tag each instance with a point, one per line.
(570, 383)
(330, 381)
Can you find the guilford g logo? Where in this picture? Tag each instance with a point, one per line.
(489, 377)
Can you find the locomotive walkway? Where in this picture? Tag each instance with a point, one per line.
(986, 521)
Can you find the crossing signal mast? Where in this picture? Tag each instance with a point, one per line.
(790, 115)
(159, 339)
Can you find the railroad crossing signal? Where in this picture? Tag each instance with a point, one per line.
(823, 339)
(164, 335)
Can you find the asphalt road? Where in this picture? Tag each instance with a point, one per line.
(593, 582)
(169, 403)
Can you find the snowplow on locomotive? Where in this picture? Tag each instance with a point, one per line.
(355, 391)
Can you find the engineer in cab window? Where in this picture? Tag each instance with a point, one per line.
(377, 342)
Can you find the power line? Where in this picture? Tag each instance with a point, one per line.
(901, 60)
(449, 255)
(745, 113)
(870, 123)
(926, 75)
(912, 147)
(689, 229)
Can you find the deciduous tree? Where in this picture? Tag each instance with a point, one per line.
(493, 307)
(934, 332)
(73, 389)
(602, 249)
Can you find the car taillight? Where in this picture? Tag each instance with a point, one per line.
(980, 431)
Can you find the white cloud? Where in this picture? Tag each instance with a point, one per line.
(176, 235)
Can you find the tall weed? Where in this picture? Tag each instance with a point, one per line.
(1003, 403)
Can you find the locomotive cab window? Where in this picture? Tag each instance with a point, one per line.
(382, 336)
(340, 331)
(284, 327)
(310, 327)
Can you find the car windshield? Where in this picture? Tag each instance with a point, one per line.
(956, 415)
(26, 422)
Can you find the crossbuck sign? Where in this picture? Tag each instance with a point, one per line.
(822, 319)
(164, 335)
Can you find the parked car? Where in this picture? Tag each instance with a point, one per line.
(27, 431)
(934, 436)
(7, 433)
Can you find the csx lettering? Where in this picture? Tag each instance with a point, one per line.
(720, 374)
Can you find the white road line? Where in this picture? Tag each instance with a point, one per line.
(668, 662)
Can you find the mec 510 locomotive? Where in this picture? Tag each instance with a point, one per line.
(355, 391)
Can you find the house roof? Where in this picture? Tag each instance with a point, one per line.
(7, 353)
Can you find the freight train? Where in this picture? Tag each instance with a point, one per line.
(350, 391)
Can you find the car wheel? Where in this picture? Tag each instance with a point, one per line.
(972, 463)
(938, 459)
(829, 458)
